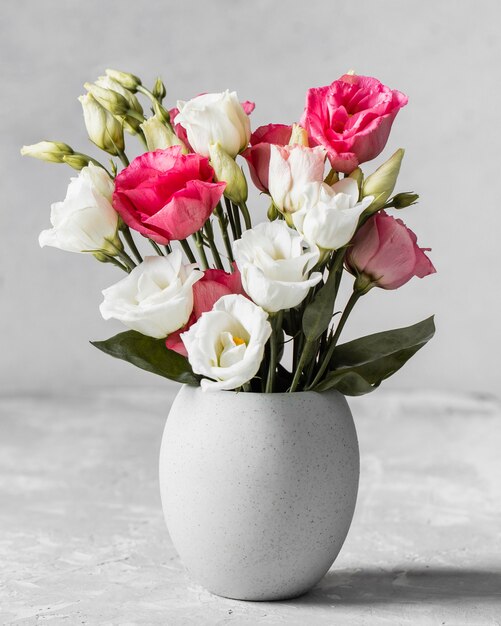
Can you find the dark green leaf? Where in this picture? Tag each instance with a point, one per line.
(359, 366)
(318, 313)
(373, 347)
(348, 383)
(149, 354)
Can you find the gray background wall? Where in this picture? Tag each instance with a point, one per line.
(444, 55)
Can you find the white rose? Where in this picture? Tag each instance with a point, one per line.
(215, 118)
(330, 215)
(156, 298)
(227, 343)
(274, 262)
(85, 221)
(291, 168)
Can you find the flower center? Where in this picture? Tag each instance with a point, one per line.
(238, 341)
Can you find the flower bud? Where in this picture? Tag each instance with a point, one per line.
(128, 81)
(111, 100)
(357, 176)
(160, 136)
(103, 129)
(405, 199)
(159, 90)
(162, 113)
(273, 212)
(332, 178)
(298, 136)
(76, 161)
(228, 171)
(382, 182)
(108, 83)
(51, 151)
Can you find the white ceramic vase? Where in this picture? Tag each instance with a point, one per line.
(258, 490)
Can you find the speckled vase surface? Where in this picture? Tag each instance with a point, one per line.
(258, 490)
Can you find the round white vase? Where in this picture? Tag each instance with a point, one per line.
(258, 490)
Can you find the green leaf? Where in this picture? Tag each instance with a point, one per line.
(349, 383)
(359, 366)
(149, 354)
(318, 314)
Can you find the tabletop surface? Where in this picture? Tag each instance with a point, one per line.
(83, 541)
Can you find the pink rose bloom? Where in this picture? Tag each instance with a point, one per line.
(385, 253)
(166, 195)
(351, 119)
(206, 292)
(258, 154)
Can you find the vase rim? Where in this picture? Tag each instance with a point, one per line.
(261, 393)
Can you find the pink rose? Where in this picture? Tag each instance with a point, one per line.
(206, 292)
(384, 253)
(258, 154)
(351, 119)
(166, 195)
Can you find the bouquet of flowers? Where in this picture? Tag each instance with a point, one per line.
(217, 299)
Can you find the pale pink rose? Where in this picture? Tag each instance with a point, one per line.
(166, 195)
(206, 292)
(385, 252)
(258, 154)
(351, 119)
(292, 168)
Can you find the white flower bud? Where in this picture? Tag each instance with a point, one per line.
(103, 129)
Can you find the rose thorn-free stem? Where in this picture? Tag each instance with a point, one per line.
(209, 232)
(199, 243)
(223, 227)
(156, 247)
(187, 250)
(334, 339)
(276, 327)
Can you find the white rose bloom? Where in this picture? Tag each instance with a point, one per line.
(156, 298)
(215, 118)
(227, 343)
(85, 221)
(274, 262)
(291, 169)
(330, 215)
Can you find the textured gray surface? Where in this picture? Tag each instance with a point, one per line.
(83, 539)
(443, 55)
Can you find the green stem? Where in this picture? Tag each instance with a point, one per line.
(187, 250)
(223, 227)
(199, 242)
(123, 256)
(212, 244)
(231, 219)
(95, 162)
(303, 360)
(122, 156)
(132, 244)
(141, 136)
(333, 341)
(236, 217)
(111, 259)
(276, 326)
(156, 247)
(246, 215)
